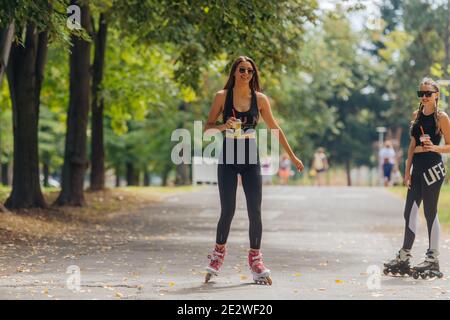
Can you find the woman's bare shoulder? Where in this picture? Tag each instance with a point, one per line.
(261, 97)
(442, 115)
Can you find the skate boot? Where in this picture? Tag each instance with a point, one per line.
(400, 265)
(429, 268)
(216, 260)
(261, 275)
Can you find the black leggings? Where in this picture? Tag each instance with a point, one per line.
(252, 184)
(426, 181)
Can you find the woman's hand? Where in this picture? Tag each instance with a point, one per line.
(297, 163)
(407, 180)
(230, 122)
(429, 146)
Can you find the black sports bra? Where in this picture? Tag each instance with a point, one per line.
(428, 124)
(249, 118)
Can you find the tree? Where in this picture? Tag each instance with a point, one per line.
(25, 74)
(97, 144)
(6, 38)
(34, 23)
(75, 159)
(269, 31)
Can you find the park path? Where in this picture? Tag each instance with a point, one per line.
(320, 243)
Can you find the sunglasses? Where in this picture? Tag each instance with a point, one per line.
(243, 70)
(427, 94)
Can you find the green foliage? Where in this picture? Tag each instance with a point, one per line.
(269, 31)
(47, 16)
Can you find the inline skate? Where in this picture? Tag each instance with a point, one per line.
(261, 275)
(216, 260)
(400, 265)
(428, 268)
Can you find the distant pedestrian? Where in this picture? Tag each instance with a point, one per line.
(266, 170)
(284, 172)
(320, 166)
(387, 160)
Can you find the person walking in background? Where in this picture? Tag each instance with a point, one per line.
(387, 160)
(396, 177)
(284, 172)
(320, 166)
(266, 170)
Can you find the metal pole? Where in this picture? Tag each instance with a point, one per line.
(381, 131)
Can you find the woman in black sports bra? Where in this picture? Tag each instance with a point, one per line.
(424, 182)
(240, 103)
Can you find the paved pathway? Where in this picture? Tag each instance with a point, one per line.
(320, 243)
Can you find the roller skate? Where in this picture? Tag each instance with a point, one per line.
(261, 275)
(217, 257)
(429, 268)
(400, 265)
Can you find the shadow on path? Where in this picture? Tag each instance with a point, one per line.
(208, 287)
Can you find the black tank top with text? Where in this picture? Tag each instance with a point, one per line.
(249, 118)
(428, 124)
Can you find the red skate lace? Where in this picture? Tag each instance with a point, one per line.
(257, 264)
(216, 259)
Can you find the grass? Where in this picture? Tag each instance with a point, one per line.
(443, 205)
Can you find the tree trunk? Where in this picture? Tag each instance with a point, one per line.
(182, 177)
(132, 175)
(117, 170)
(75, 159)
(5, 174)
(165, 174)
(147, 178)
(46, 173)
(347, 170)
(2, 208)
(6, 38)
(25, 74)
(97, 144)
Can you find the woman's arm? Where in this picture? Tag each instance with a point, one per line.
(444, 123)
(214, 113)
(411, 148)
(266, 114)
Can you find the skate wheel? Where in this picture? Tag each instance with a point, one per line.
(264, 281)
(208, 277)
(415, 275)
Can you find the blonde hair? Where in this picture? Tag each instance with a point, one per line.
(427, 81)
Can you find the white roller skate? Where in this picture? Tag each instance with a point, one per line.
(261, 275)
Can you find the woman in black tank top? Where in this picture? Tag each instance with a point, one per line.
(424, 175)
(240, 104)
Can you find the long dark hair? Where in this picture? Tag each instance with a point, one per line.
(430, 82)
(254, 82)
